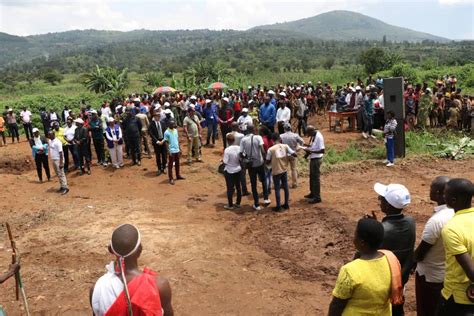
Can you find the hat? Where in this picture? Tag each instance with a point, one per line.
(193, 97)
(271, 92)
(168, 111)
(35, 130)
(79, 120)
(110, 119)
(167, 104)
(283, 94)
(358, 88)
(245, 110)
(208, 101)
(226, 99)
(397, 195)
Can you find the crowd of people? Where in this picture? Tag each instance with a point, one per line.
(262, 132)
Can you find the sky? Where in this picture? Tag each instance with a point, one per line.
(452, 19)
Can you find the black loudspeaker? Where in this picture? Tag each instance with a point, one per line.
(393, 101)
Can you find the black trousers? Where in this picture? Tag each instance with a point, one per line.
(28, 130)
(314, 178)
(259, 172)
(161, 156)
(83, 155)
(13, 129)
(451, 308)
(41, 161)
(99, 149)
(134, 147)
(232, 181)
(224, 131)
(66, 150)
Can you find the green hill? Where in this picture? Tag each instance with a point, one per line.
(349, 26)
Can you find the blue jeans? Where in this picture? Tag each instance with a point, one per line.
(390, 146)
(281, 180)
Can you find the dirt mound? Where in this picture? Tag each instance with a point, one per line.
(15, 164)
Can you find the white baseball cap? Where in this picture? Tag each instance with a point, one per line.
(397, 195)
(35, 130)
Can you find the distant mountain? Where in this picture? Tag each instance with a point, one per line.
(348, 26)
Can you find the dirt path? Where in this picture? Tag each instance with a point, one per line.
(218, 262)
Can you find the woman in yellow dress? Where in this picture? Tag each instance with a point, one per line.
(363, 286)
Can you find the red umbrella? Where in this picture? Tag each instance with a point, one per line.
(217, 86)
(164, 89)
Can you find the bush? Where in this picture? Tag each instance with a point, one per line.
(406, 71)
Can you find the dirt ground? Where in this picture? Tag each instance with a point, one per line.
(218, 262)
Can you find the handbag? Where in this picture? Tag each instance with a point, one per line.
(248, 160)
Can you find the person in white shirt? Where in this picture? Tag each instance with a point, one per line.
(315, 150)
(283, 115)
(232, 172)
(430, 255)
(244, 120)
(25, 115)
(68, 133)
(57, 157)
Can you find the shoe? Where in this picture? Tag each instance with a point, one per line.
(276, 209)
(171, 181)
(229, 207)
(256, 207)
(65, 191)
(308, 196)
(286, 206)
(180, 178)
(158, 173)
(390, 164)
(267, 202)
(364, 135)
(315, 201)
(373, 136)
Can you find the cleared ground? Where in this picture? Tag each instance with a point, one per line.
(218, 262)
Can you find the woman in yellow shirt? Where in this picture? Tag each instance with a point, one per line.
(363, 285)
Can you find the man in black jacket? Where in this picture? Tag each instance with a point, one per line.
(132, 131)
(157, 130)
(399, 230)
(81, 140)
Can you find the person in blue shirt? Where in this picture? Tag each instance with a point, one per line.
(171, 139)
(211, 115)
(267, 114)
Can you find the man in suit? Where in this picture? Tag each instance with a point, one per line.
(157, 130)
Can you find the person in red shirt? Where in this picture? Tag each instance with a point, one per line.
(125, 288)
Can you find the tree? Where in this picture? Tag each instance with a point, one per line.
(373, 59)
(53, 77)
(329, 62)
(108, 81)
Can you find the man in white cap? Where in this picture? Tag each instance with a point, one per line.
(399, 230)
(244, 120)
(39, 147)
(81, 140)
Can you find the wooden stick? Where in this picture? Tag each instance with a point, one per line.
(14, 260)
